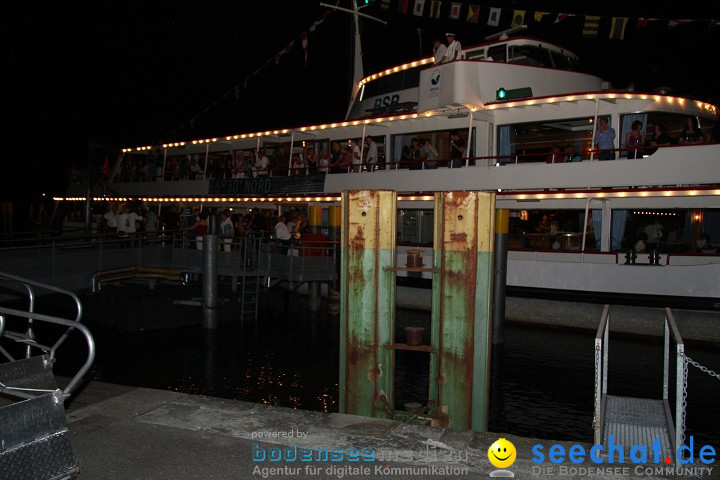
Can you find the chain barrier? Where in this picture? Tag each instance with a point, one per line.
(597, 376)
(687, 360)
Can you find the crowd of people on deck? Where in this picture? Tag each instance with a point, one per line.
(132, 221)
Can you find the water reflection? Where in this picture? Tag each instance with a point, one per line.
(542, 380)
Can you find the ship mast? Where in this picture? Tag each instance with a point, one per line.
(357, 57)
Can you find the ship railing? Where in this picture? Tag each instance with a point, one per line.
(284, 170)
(27, 319)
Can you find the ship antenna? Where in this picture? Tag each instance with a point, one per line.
(357, 63)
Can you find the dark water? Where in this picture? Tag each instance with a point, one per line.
(542, 379)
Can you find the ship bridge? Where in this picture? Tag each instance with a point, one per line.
(485, 68)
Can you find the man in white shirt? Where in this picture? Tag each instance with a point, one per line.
(282, 233)
(454, 49)
(111, 219)
(262, 164)
(372, 154)
(356, 160)
(226, 230)
(439, 51)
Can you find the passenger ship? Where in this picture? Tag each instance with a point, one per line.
(511, 100)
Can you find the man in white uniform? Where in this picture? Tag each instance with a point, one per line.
(454, 49)
(439, 51)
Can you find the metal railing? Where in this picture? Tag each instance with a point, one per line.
(283, 169)
(678, 435)
(676, 429)
(27, 337)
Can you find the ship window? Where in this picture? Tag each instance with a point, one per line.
(530, 55)
(476, 54)
(674, 123)
(497, 53)
(372, 89)
(391, 83)
(536, 141)
(412, 78)
(415, 227)
(562, 61)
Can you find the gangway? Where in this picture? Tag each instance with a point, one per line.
(639, 421)
(34, 439)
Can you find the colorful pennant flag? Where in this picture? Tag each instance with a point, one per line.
(518, 18)
(677, 21)
(617, 28)
(435, 8)
(592, 23)
(641, 23)
(403, 6)
(385, 5)
(473, 13)
(494, 17)
(539, 16)
(561, 17)
(283, 52)
(455, 11)
(419, 7)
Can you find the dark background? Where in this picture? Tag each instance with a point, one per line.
(125, 74)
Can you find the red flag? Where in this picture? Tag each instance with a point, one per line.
(641, 23)
(561, 17)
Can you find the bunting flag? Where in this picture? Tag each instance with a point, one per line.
(592, 23)
(617, 29)
(419, 7)
(561, 17)
(435, 8)
(677, 21)
(473, 13)
(518, 18)
(455, 11)
(385, 5)
(284, 51)
(494, 17)
(539, 16)
(304, 41)
(403, 6)
(641, 23)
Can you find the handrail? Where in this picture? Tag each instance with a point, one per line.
(672, 328)
(59, 321)
(601, 371)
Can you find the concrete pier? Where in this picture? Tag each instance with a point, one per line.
(136, 433)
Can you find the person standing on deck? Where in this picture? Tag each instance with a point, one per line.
(457, 150)
(226, 230)
(454, 49)
(261, 164)
(439, 51)
(372, 154)
(355, 159)
(605, 140)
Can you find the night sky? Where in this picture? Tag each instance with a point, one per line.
(129, 73)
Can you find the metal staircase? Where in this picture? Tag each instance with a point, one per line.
(639, 421)
(253, 282)
(34, 439)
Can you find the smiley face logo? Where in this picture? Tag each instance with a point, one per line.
(502, 453)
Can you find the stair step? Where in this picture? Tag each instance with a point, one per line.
(33, 372)
(36, 443)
